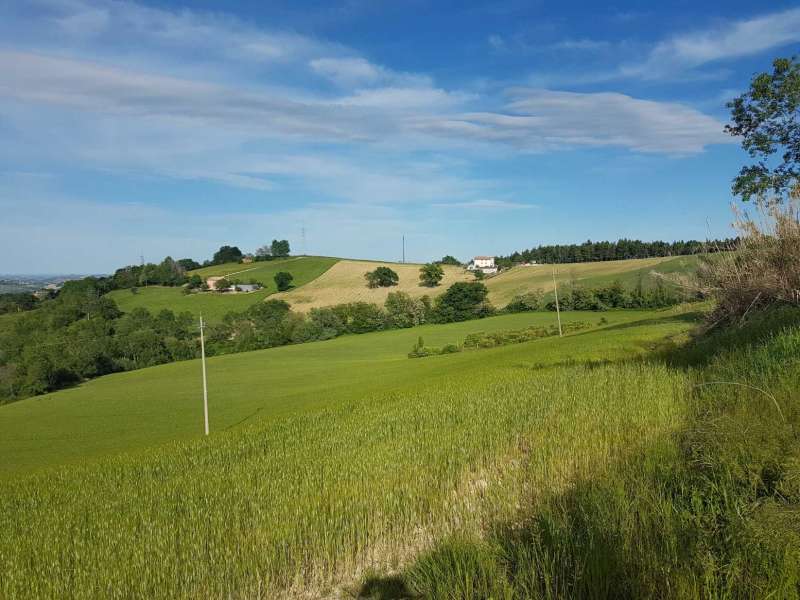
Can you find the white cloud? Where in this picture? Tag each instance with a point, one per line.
(544, 120)
(731, 40)
(348, 71)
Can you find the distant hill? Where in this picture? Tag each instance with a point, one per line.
(518, 280)
(214, 306)
(344, 282)
(324, 281)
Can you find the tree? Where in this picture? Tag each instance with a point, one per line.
(264, 252)
(227, 254)
(431, 274)
(462, 301)
(279, 248)
(222, 284)
(381, 277)
(479, 275)
(283, 280)
(189, 264)
(767, 117)
(450, 260)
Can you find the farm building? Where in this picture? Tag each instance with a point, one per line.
(211, 282)
(484, 264)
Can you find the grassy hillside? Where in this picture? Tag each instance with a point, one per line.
(506, 285)
(344, 282)
(513, 472)
(215, 306)
(152, 406)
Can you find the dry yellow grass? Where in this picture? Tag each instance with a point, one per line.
(506, 285)
(344, 282)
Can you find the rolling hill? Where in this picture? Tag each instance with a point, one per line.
(137, 409)
(518, 280)
(215, 306)
(344, 282)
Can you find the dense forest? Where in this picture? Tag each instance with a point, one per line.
(622, 249)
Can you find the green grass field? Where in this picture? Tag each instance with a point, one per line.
(142, 408)
(548, 469)
(215, 306)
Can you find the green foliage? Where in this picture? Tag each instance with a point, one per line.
(381, 277)
(528, 301)
(767, 119)
(450, 260)
(405, 311)
(81, 334)
(19, 302)
(279, 248)
(283, 280)
(463, 301)
(431, 274)
(187, 264)
(622, 249)
(227, 254)
(222, 285)
(660, 295)
(169, 272)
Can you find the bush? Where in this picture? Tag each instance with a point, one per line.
(283, 280)
(764, 270)
(528, 301)
(405, 311)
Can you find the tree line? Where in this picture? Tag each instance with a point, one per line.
(622, 249)
(81, 333)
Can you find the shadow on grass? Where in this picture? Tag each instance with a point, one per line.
(389, 587)
(712, 510)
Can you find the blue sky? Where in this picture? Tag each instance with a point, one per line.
(162, 128)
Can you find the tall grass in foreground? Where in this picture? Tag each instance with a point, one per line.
(310, 501)
(713, 512)
(765, 268)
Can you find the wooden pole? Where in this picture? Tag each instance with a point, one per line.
(558, 311)
(205, 384)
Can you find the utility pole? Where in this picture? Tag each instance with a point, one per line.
(404, 249)
(558, 310)
(205, 384)
(303, 239)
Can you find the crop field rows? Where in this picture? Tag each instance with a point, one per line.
(309, 500)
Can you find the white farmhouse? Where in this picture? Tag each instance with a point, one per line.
(483, 263)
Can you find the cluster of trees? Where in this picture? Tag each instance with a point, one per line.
(277, 249)
(82, 334)
(616, 295)
(168, 272)
(429, 275)
(590, 251)
(17, 302)
(273, 323)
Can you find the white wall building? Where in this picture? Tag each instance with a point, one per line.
(483, 263)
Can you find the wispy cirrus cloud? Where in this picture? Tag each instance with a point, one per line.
(730, 40)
